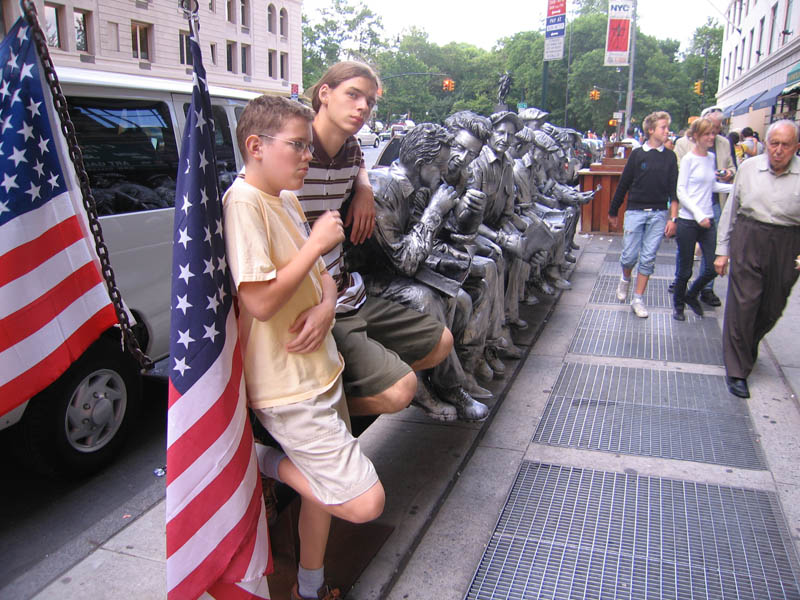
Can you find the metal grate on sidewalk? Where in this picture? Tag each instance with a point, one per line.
(668, 246)
(610, 332)
(655, 296)
(569, 533)
(648, 412)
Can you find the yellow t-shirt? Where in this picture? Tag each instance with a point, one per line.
(262, 234)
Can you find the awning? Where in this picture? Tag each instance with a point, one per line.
(793, 76)
(729, 111)
(768, 99)
(744, 107)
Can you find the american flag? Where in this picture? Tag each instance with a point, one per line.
(217, 539)
(53, 301)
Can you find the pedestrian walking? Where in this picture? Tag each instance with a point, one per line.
(759, 236)
(697, 181)
(649, 178)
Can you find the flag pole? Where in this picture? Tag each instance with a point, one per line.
(629, 98)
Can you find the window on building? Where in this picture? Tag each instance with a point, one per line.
(271, 18)
(728, 72)
(231, 56)
(735, 61)
(722, 73)
(739, 19)
(245, 64)
(244, 10)
(741, 57)
(230, 13)
(760, 39)
(212, 6)
(284, 23)
(82, 22)
(213, 48)
(113, 36)
(185, 50)
(53, 19)
(284, 66)
(750, 51)
(773, 26)
(787, 23)
(746, 7)
(140, 40)
(272, 64)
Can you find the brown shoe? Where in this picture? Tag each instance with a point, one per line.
(270, 499)
(323, 593)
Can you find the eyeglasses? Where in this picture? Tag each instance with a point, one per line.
(298, 146)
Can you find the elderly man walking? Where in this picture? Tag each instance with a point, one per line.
(759, 234)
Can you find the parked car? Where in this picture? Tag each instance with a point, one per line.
(367, 137)
(129, 129)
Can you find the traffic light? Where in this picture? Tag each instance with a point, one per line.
(448, 85)
(698, 87)
(594, 94)
(612, 122)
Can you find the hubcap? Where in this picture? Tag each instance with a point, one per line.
(95, 410)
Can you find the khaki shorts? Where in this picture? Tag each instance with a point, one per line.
(315, 435)
(379, 341)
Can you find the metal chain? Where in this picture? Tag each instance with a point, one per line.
(75, 154)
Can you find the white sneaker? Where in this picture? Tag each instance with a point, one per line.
(622, 289)
(639, 308)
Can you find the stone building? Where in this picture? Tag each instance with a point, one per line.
(761, 47)
(247, 44)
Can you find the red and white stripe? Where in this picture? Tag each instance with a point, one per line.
(217, 539)
(53, 301)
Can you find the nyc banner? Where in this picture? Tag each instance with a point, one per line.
(618, 35)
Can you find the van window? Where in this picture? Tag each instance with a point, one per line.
(129, 151)
(223, 146)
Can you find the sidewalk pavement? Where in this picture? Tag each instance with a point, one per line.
(447, 484)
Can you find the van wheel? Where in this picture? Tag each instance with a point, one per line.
(78, 424)
(376, 143)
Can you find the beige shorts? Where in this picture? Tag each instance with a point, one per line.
(315, 435)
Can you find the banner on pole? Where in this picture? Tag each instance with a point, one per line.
(618, 35)
(555, 29)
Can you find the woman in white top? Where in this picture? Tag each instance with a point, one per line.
(697, 181)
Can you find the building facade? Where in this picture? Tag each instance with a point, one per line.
(247, 44)
(761, 45)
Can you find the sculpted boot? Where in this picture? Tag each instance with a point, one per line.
(433, 407)
(467, 407)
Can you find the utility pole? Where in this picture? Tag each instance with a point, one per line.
(566, 86)
(629, 99)
(544, 85)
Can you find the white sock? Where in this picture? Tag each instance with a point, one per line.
(309, 581)
(268, 460)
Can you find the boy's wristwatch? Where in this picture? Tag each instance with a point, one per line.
(674, 219)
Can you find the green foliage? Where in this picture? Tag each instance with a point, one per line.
(663, 77)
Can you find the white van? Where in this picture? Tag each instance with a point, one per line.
(129, 129)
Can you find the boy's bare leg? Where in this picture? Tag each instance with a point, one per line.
(313, 527)
(641, 283)
(361, 509)
(399, 395)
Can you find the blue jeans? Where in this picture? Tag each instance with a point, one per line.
(644, 230)
(710, 285)
(690, 233)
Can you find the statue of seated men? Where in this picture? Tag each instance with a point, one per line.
(484, 284)
(492, 173)
(397, 262)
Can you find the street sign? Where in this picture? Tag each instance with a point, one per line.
(554, 48)
(295, 91)
(555, 26)
(619, 114)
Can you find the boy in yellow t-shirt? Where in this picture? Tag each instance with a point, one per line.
(287, 299)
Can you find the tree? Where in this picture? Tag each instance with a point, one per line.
(339, 32)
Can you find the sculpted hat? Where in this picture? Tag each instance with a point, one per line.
(505, 115)
(532, 114)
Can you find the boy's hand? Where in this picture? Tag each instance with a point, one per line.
(327, 231)
(361, 214)
(311, 327)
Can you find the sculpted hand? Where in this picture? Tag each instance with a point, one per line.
(475, 201)
(327, 231)
(361, 214)
(721, 265)
(443, 200)
(311, 327)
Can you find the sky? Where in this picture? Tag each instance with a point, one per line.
(470, 21)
